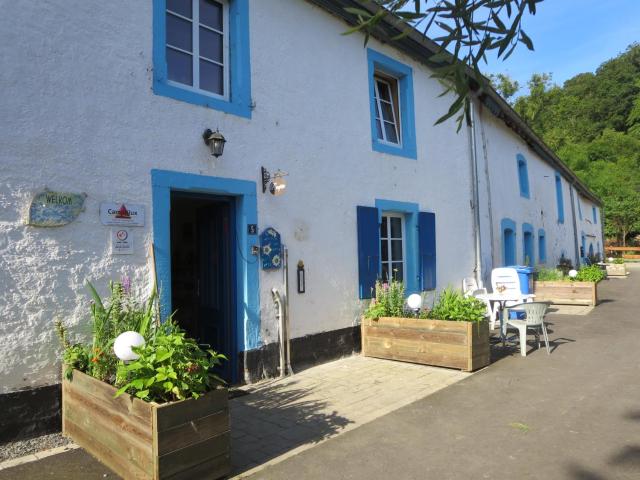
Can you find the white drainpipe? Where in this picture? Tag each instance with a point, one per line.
(473, 154)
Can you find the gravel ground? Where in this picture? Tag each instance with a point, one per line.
(20, 448)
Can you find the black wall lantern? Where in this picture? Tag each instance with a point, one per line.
(274, 182)
(301, 280)
(215, 141)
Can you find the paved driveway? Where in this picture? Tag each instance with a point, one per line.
(574, 414)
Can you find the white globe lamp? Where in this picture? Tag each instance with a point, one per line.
(124, 342)
(414, 301)
(573, 273)
(610, 259)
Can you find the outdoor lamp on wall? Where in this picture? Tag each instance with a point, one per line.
(215, 141)
(275, 182)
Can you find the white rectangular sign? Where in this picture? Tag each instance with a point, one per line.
(121, 241)
(126, 214)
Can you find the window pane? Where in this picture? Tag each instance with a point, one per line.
(398, 273)
(211, 78)
(383, 89)
(211, 14)
(396, 249)
(179, 33)
(183, 7)
(396, 227)
(390, 130)
(379, 130)
(383, 227)
(384, 250)
(385, 272)
(211, 45)
(387, 111)
(179, 67)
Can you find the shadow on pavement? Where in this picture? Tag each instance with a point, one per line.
(277, 419)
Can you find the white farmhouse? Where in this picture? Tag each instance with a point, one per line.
(111, 100)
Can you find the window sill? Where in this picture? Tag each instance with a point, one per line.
(235, 108)
(398, 150)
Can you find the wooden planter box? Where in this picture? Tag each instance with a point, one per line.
(566, 293)
(444, 343)
(141, 440)
(616, 270)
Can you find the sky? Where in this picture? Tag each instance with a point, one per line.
(571, 37)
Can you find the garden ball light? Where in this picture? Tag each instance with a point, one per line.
(124, 342)
(610, 259)
(414, 301)
(573, 273)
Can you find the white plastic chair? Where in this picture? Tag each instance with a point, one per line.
(535, 312)
(505, 281)
(469, 285)
(490, 311)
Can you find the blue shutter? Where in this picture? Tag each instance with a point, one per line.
(368, 249)
(427, 248)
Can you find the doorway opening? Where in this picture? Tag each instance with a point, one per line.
(202, 272)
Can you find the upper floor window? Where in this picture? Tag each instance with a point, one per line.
(197, 45)
(595, 215)
(393, 128)
(523, 176)
(387, 109)
(201, 53)
(579, 208)
(559, 198)
(392, 247)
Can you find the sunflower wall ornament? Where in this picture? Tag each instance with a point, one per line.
(270, 249)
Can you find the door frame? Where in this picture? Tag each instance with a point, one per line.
(246, 327)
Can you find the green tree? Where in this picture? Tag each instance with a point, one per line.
(504, 85)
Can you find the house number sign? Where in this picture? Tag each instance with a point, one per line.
(54, 209)
(270, 248)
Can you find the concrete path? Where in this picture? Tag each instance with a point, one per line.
(574, 414)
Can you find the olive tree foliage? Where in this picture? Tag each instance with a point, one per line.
(465, 32)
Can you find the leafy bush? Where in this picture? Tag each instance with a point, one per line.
(548, 274)
(618, 261)
(564, 265)
(592, 273)
(170, 367)
(181, 369)
(453, 305)
(388, 302)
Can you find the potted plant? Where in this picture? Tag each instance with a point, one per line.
(453, 333)
(555, 287)
(163, 413)
(616, 267)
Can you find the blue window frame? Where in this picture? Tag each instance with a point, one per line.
(528, 254)
(579, 207)
(542, 246)
(595, 215)
(223, 83)
(391, 90)
(523, 176)
(508, 229)
(559, 198)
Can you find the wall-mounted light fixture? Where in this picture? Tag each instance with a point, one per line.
(215, 141)
(275, 182)
(301, 280)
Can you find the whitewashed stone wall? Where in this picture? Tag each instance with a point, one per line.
(79, 115)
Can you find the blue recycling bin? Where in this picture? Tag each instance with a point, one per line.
(525, 275)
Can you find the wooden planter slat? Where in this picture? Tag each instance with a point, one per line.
(141, 440)
(462, 345)
(566, 293)
(616, 270)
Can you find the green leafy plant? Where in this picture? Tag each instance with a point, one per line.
(388, 302)
(564, 265)
(618, 261)
(74, 356)
(544, 274)
(592, 273)
(453, 305)
(170, 367)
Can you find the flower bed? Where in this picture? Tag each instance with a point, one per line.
(452, 334)
(555, 287)
(616, 270)
(156, 410)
